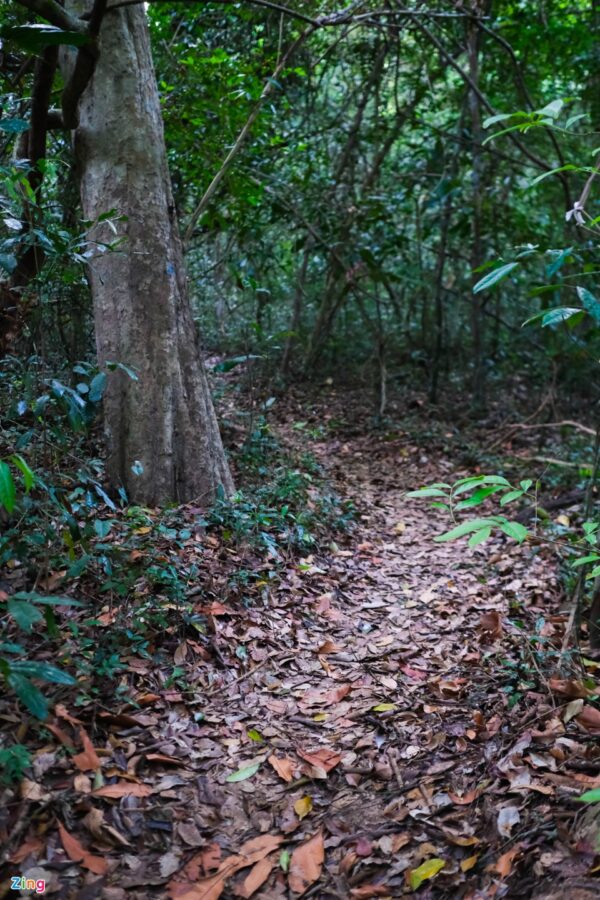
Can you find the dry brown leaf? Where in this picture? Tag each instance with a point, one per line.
(589, 718)
(491, 624)
(123, 789)
(212, 887)
(321, 758)
(306, 864)
(503, 865)
(30, 845)
(78, 854)
(284, 766)
(256, 877)
(88, 759)
(370, 890)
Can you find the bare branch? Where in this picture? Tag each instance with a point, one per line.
(54, 13)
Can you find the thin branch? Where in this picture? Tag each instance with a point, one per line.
(55, 14)
(239, 142)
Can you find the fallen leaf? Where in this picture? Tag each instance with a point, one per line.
(256, 877)
(503, 865)
(303, 806)
(589, 718)
(491, 624)
(426, 870)
(508, 817)
(321, 759)
(212, 887)
(284, 766)
(306, 864)
(242, 774)
(88, 759)
(123, 789)
(78, 854)
(468, 863)
(30, 845)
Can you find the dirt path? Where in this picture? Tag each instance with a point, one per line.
(387, 730)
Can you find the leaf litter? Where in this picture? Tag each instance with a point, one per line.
(373, 723)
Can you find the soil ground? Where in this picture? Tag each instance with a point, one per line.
(391, 722)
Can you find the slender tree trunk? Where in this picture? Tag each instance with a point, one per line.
(162, 434)
(478, 385)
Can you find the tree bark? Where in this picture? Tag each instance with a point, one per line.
(162, 435)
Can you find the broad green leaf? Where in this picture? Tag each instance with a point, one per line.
(508, 498)
(24, 613)
(558, 313)
(255, 735)
(97, 386)
(556, 316)
(464, 528)
(28, 476)
(514, 530)
(590, 796)
(568, 168)
(8, 495)
(284, 860)
(480, 536)
(494, 277)
(30, 696)
(37, 36)
(243, 774)
(427, 492)
(43, 671)
(478, 496)
(13, 126)
(8, 262)
(526, 484)
(589, 302)
(46, 600)
(584, 560)
(426, 870)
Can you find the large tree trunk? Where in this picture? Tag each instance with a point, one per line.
(162, 434)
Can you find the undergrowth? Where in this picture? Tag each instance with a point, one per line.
(143, 579)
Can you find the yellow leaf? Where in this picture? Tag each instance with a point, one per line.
(384, 707)
(145, 530)
(303, 806)
(468, 863)
(319, 717)
(563, 520)
(426, 870)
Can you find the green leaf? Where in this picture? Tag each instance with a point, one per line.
(590, 796)
(255, 735)
(28, 476)
(584, 560)
(30, 696)
(526, 484)
(243, 774)
(478, 496)
(494, 277)
(427, 492)
(48, 601)
(464, 528)
(480, 536)
(284, 860)
(426, 870)
(384, 707)
(8, 262)
(43, 671)
(508, 498)
(589, 302)
(24, 613)
(13, 126)
(97, 386)
(35, 37)
(553, 316)
(514, 530)
(568, 168)
(8, 493)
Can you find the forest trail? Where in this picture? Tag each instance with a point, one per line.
(385, 704)
(370, 725)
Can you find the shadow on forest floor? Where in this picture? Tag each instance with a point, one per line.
(378, 716)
